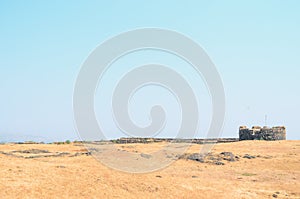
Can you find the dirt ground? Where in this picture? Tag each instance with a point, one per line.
(262, 169)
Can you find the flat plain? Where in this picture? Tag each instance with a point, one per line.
(245, 169)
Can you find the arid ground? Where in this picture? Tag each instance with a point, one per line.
(252, 169)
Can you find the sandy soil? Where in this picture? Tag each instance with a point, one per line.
(67, 171)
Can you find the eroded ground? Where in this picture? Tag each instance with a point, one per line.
(247, 169)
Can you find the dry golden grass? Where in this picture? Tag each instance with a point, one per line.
(275, 173)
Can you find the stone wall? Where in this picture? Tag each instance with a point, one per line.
(195, 140)
(262, 133)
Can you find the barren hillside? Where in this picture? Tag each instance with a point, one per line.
(247, 169)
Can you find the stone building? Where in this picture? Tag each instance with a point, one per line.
(262, 133)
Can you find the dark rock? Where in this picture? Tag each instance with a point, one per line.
(248, 156)
(32, 151)
(196, 157)
(146, 155)
(219, 163)
(82, 153)
(213, 158)
(61, 154)
(228, 156)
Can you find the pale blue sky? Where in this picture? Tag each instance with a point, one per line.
(254, 44)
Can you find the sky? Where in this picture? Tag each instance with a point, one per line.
(255, 46)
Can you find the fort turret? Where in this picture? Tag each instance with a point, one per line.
(262, 133)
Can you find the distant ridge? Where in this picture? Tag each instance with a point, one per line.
(4, 138)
